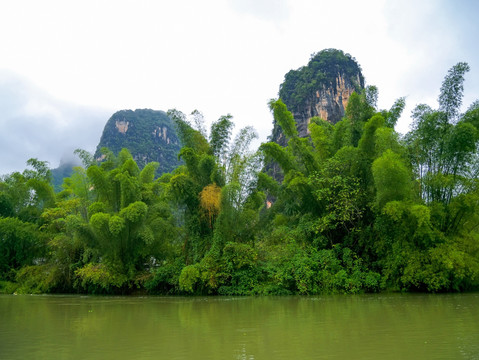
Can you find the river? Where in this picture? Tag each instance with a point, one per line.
(380, 326)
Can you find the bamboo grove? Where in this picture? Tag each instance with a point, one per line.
(354, 208)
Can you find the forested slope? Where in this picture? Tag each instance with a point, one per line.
(149, 135)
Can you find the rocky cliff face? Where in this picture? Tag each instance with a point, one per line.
(329, 103)
(149, 135)
(322, 88)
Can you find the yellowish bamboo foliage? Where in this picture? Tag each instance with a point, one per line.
(210, 201)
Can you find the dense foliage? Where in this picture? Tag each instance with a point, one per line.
(359, 209)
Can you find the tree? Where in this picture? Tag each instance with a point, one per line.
(450, 97)
(441, 144)
(393, 115)
(210, 202)
(189, 137)
(20, 244)
(220, 136)
(26, 194)
(392, 179)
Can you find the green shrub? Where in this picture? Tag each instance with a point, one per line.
(165, 279)
(8, 287)
(188, 278)
(99, 279)
(38, 279)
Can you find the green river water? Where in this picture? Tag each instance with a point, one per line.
(384, 326)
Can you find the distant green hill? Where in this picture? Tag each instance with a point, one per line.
(149, 135)
(65, 169)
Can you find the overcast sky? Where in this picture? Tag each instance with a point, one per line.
(67, 66)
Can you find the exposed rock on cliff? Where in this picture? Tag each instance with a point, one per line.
(148, 134)
(322, 88)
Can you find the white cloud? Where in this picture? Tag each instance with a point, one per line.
(270, 10)
(36, 125)
(217, 56)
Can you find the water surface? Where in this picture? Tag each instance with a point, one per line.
(391, 326)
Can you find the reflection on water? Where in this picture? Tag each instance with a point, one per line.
(391, 326)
